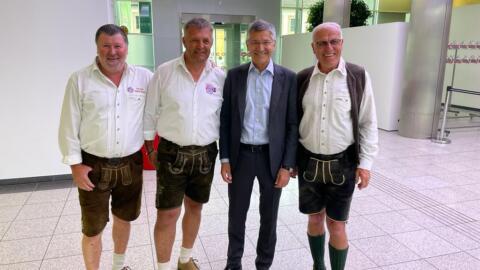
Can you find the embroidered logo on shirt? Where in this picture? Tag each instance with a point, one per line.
(139, 90)
(210, 89)
(130, 89)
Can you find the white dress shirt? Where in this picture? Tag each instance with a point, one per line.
(101, 118)
(257, 107)
(181, 110)
(326, 126)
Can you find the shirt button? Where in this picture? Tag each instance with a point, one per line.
(118, 104)
(323, 118)
(324, 105)
(323, 130)
(118, 129)
(118, 142)
(118, 116)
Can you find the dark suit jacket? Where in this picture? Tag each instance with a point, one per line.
(282, 129)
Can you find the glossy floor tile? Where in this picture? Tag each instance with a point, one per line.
(421, 211)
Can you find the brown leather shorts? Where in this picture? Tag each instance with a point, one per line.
(120, 178)
(184, 170)
(326, 183)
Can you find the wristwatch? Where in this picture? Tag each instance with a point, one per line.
(289, 169)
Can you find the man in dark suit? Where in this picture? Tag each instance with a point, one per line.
(258, 134)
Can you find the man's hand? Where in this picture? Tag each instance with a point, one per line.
(294, 172)
(226, 172)
(80, 177)
(363, 178)
(283, 177)
(152, 157)
(151, 152)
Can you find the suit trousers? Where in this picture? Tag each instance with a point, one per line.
(250, 164)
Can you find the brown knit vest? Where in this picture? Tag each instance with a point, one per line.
(356, 85)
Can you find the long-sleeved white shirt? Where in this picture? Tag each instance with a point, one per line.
(326, 126)
(181, 110)
(101, 118)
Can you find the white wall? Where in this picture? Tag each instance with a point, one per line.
(43, 42)
(465, 27)
(379, 48)
(167, 14)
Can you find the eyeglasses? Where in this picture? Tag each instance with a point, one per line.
(257, 42)
(324, 43)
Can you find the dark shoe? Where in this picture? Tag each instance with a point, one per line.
(232, 268)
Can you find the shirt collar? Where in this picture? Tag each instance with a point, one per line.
(269, 67)
(341, 68)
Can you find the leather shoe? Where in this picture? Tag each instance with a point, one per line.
(233, 268)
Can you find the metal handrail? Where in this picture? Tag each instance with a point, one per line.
(441, 136)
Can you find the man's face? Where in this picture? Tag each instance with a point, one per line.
(261, 46)
(327, 46)
(112, 52)
(197, 42)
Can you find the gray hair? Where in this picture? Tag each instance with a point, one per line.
(199, 23)
(261, 25)
(329, 25)
(110, 30)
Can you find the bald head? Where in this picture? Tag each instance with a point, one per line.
(332, 26)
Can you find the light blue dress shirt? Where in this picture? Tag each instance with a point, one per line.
(259, 91)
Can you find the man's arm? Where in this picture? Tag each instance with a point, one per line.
(69, 128)
(152, 104)
(367, 122)
(68, 136)
(225, 118)
(291, 125)
(291, 136)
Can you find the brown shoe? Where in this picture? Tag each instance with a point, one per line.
(190, 265)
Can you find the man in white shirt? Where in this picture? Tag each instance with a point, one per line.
(100, 137)
(183, 108)
(338, 142)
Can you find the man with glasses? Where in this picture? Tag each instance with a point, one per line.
(338, 142)
(258, 138)
(183, 108)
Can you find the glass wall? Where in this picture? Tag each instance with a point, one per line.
(229, 47)
(295, 13)
(137, 17)
(294, 16)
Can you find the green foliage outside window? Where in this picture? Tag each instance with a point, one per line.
(359, 13)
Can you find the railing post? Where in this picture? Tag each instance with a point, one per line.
(441, 136)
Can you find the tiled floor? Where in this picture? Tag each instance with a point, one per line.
(422, 211)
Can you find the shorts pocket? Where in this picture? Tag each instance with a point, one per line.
(205, 165)
(108, 175)
(126, 175)
(178, 165)
(312, 172)
(335, 173)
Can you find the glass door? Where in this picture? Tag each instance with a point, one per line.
(229, 47)
(137, 17)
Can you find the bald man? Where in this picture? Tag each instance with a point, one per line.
(338, 141)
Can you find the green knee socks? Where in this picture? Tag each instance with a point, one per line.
(338, 257)
(317, 248)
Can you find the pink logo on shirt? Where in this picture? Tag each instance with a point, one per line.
(210, 89)
(130, 89)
